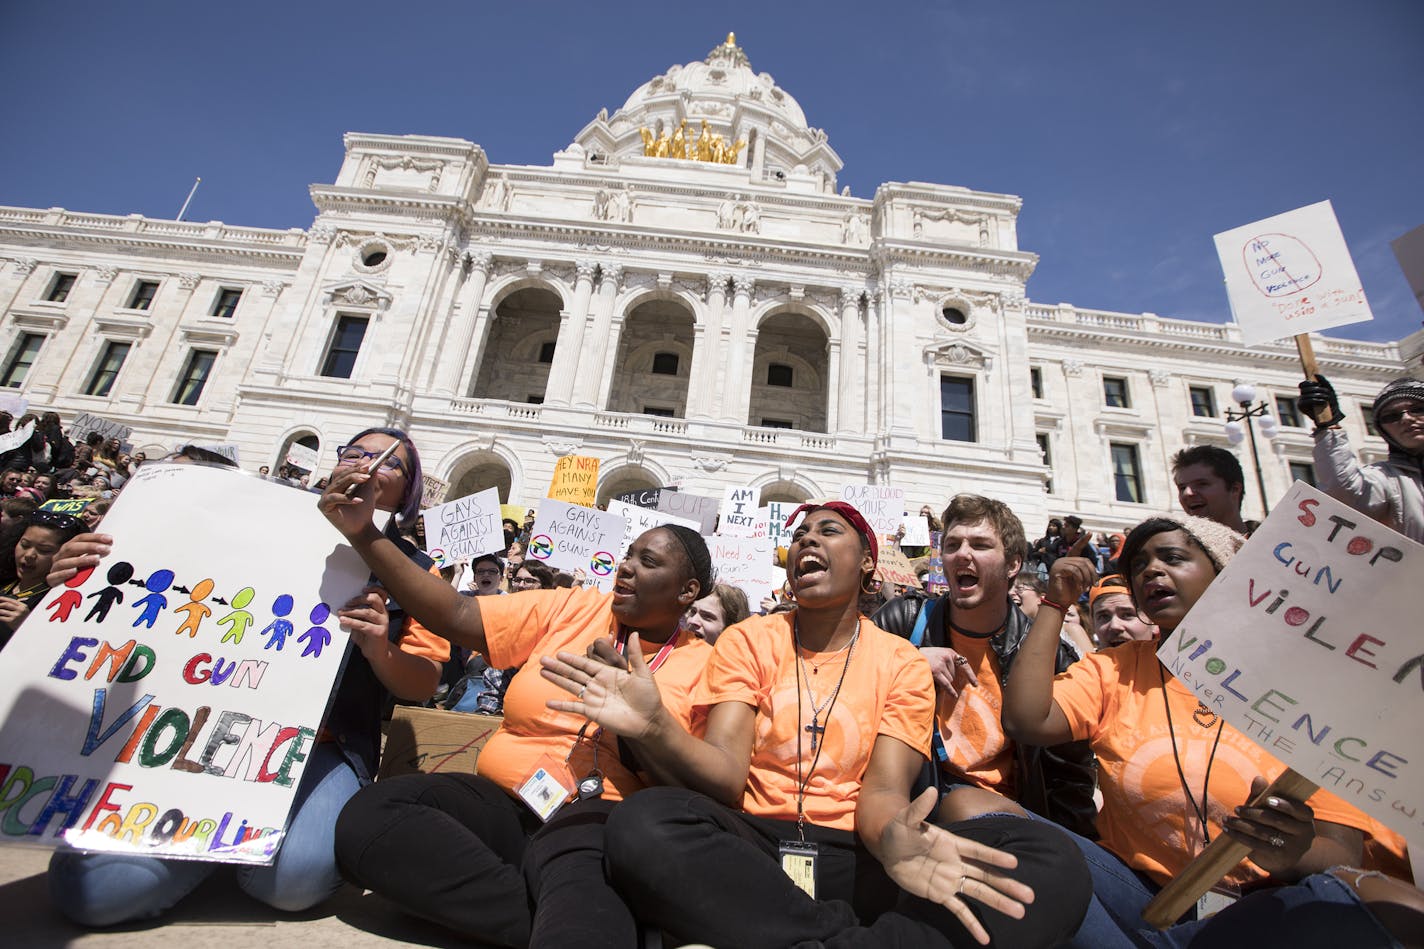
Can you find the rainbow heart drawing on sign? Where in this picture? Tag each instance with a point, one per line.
(601, 563)
(540, 547)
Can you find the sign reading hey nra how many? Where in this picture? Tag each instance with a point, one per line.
(1308, 643)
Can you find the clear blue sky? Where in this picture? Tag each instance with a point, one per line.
(1133, 129)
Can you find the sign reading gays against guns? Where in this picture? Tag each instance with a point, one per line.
(1308, 643)
(165, 702)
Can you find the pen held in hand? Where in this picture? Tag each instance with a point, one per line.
(376, 463)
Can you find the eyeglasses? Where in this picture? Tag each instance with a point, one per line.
(1394, 415)
(487, 573)
(525, 581)
(355, 454)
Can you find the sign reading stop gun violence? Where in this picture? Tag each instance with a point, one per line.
(1308, 642)
(1291, 274)
(166, 701)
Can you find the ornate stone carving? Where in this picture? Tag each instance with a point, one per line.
(711, 462)
(321, 234)
(584, 269)
(635, 451)
(24, 265)
(610, 273)
(851, 297)
(481, 260)
(1159, 377)
(958, 355)
(613, 204)
(740, 215)
(433, 243)
(900, 287)
(743, 284)
(561, 445)
(496, 194)
(919, 215)
(272, 288)
(404, 163)
(106, 275)
(189, 281)
(855, 229)
(1073, 367)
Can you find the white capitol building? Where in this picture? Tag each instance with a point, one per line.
(684, 293)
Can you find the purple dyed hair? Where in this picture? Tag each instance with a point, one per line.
(414, 481)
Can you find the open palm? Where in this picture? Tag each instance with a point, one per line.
(624, 701)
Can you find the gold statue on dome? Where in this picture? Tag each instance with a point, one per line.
(731, 39)
(678, 148)
(650, 144)
(704, 143)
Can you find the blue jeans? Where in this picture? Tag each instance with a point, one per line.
(104, 889)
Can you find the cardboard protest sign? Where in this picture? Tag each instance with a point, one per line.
(164, 702)
(1291, 274)
(646, 497)
(302, 457)
(935, 581)
(73, 506)
(881, 505)
(695, 507)
(917, 531)
(464, 528)
(12, 440)
(1307, 643)
(743, 562)
(640, 519)
(84, 423)
(572, 537)
(739, 513)
(14, 403)
(433, 490)
(575, 480)
(894, 567)
(777, 530)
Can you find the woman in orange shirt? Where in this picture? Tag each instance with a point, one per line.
(785, 767)
(474, 852)
(1172, 773)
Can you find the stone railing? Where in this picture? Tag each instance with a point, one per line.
(157, 227)
(496, 409)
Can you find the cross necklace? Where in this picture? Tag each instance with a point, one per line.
(816, 730)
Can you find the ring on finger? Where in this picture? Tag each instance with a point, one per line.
(1276, 840)
(582, 691)
(960, 661)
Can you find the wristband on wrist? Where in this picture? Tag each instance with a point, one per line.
(1045, 601)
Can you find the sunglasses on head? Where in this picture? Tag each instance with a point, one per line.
(54, 519)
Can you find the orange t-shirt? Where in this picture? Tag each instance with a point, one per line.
(1387, 852)
(524, 626)
(1113, 698)
(887, 690)
(419, 641)
(973, 737)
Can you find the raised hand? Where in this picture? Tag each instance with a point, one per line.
(931, 863)
(1069, 578)
(348, 501)
(622, 698)
(83, 550)
(365, 619)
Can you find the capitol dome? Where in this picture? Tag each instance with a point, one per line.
(746, 119)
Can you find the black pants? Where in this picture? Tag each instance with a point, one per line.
(702, 872)
(458, 850)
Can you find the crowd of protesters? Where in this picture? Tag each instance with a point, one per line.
(979, 765)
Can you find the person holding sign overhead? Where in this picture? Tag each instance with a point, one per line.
(1390, 491)
(1174, 776)
(794, 814)
(391, 655)
(473, 852)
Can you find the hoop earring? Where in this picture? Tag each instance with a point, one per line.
(874, 585)
(786, 592)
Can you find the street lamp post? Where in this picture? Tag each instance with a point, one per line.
(1238, 427)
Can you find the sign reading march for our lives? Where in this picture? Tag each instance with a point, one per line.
(572, 537)
(881, 505)
(739, 513)
(1308, 644)
(464, 528)
(165, 702)
(575, 480)
(1291, 274)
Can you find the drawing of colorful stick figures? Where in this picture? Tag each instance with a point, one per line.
(155, 602)
(197, 610)
(65, 603)
(280, 627)
(239, 619)
(318, 636)
(119, 574)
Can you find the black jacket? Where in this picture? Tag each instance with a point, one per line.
(1056, 782)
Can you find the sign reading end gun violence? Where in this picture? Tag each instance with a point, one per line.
(1308, 643)
(165, 702)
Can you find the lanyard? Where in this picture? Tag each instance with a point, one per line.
(621, 645)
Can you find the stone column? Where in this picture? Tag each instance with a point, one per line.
(874, 376)
(833, 384)
(737, 392)
(567, 353)
(703, 385)
(849, 399)
(594, 376)
(897, 352)
(450, 366)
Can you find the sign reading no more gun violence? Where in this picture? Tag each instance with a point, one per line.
(166, 701)
(1308, 643)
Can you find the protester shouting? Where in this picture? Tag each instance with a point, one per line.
(30, 547)
(725, 606)
(1174, 776)
(785, 765)
(391, 655)
(474, 852)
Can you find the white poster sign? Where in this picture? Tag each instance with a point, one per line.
(1291, 274)
(433, 490)
(165, 702)
(14, 403)
(880, 504)
(302, 456)
(84, 423)
(777, 530)
(739, 513)
(12, 440)
(464, 528)
(641, 519)
(692, 506)
(917, 531)
(1308, 643)
(574, 538)
(743, 562)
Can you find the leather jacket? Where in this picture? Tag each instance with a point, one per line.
(1057, 781)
